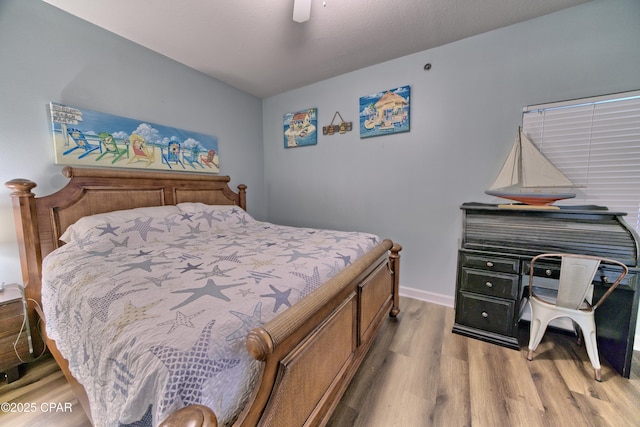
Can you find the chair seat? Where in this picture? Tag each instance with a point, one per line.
(550, 296)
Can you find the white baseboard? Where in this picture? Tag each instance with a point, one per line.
(449, 301)
(427, 296)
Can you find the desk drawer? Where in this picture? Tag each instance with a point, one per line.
(483, 262)
(542, 269)
(484, 313)
(489, 283)
(607, 275)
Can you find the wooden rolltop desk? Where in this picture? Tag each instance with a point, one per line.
(496, 248)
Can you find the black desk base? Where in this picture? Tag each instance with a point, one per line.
(497, 245)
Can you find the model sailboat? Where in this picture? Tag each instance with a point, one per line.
(527, 176)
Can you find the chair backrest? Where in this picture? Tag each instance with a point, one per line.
(108, 142)
(138, 150)
(576, 278)
(78, 137)
(577, 272)
(174, 151)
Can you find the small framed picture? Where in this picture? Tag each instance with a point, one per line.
(301, 128)
(385, 112)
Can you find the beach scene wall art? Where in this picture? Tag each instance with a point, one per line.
(385, 112)
(89, 138)
(301, 128)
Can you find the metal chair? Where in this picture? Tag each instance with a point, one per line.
(573, 299)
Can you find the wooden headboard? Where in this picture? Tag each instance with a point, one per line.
(40, 221)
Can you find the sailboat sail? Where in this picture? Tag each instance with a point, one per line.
(525, 172)
(539, 171)
(508, 175)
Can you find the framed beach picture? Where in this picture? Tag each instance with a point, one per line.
(89, 138)
(301, 128)
(385, 113)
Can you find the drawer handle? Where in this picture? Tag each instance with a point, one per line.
(485, 314)
(489, 264)
(489, 285)
(548, 272)
(605, 279)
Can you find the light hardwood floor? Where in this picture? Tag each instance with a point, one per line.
(420, 374)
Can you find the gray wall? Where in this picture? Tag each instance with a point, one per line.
(48, 55)
(464, 116)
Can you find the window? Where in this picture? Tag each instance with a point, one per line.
(595, 142)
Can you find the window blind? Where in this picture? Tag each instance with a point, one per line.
(595, 142)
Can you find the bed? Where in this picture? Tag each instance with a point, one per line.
(306, 353)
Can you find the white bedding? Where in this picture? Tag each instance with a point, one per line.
(151, 307)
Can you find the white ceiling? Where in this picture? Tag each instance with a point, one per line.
(255, 46)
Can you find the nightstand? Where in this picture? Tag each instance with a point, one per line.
(11, 327)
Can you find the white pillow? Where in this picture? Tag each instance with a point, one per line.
(87, 223)
(197, 207)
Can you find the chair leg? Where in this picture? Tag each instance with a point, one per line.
(578, 331)
(536, 332)
(598, 374)
(590, 342)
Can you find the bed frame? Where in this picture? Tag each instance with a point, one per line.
(310, 352)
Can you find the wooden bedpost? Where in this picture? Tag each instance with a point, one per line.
(25, 217)
(394, 259)
(242, 191)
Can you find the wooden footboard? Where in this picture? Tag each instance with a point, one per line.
(312, 350)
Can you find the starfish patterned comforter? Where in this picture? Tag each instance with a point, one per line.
(151, 306)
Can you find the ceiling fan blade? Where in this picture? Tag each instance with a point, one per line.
(301, 10)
